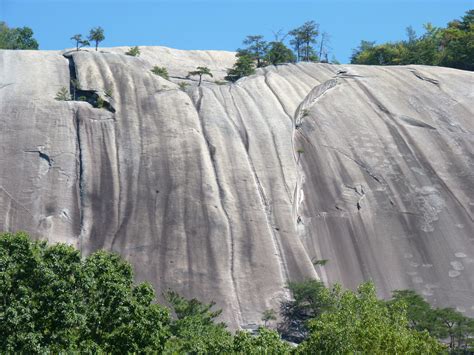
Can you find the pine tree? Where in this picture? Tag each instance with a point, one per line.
(97, 35)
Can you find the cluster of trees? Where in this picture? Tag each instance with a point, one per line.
(16, 38)
(96, 35)
(452, 46)
(338, 321)
(260, 53)
(53, 300)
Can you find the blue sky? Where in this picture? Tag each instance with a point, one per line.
(222, 24)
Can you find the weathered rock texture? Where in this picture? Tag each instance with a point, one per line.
(227, 192)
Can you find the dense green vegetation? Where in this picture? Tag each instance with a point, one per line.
(452, 46)
(16, 38)
(54, 300)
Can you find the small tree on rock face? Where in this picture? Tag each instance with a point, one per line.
(63, 94)
(200, 71)
(97, 35)
(80, 42)
(244, 66)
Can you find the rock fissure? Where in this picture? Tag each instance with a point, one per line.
(43, 156)
(92, 97)
(80, 176)
(424, 78)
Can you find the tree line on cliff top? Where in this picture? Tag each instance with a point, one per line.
(53, 299)
(452, 46)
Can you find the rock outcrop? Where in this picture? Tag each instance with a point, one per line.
(227, 192)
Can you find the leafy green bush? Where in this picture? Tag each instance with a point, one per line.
(133, 51)
(161, 71)
(182, 85)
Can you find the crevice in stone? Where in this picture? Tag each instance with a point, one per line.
(363, 166)
(92, 97)
(424, 78)
(43, 156)
(80, 176)
(2, 86)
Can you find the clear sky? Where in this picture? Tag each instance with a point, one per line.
(222, 24)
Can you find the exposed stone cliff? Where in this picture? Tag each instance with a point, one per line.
(227, 192)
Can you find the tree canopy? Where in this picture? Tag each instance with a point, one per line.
(452, 46)
(16, 38)
(358, 322)
(54, 300)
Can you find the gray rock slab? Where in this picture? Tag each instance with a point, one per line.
(227, 192)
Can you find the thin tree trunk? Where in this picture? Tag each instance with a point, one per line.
(200, 78)
(321, 48)
(96, 45)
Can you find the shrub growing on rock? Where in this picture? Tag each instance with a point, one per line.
(133, 51)
(63, 94)
(161, 71)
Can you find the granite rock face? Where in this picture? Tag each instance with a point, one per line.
(227, 192)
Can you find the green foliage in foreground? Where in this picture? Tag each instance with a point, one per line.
(452, 46)
(357, 322)
(16, 38)
(52, 300)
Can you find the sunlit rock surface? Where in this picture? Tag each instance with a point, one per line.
(227, 192)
